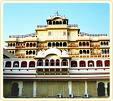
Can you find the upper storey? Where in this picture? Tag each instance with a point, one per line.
(57, 20)
(58, 29)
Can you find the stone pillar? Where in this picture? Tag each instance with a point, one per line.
(86, 88)
(60, 62)
(20, 64)
(105, 89)
(20, 87)
(34, 88)
(86, 63)
(70, 87)
(43, 62)
(4, 64)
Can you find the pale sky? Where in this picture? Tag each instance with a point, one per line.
(21, 19)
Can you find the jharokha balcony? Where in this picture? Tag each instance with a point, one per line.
(71, 68)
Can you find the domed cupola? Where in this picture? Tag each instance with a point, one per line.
(57, 20)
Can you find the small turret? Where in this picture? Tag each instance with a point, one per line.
(57, 20)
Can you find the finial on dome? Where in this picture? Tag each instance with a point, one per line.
(57, 14)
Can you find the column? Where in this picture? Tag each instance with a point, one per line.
(20, 64)
(20, 87)
(85, 88)
(60, 62)
(4, 63)
(12, 64)
(70, 87)
(43, 62)
(68, 63)
(34, 88)
(106, 89)
(86, 61)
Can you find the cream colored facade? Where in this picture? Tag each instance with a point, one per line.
(60, 59)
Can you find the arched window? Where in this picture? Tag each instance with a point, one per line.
(83, 43)
(108, 51)
(64, 44)
(64, 62)
(11, 44)
(32, 64)
(57, 62)
(90, 63)
(60, 44)
(73, 63)
(82, 64)
(30, 44)
(57, 22)
(53, 44)
(50, 22)
(107, 63)
(27, 45)
(80, 43)
(33, 52)
(87, 51)
(23, 64)
(49, 44)
(107, 43)
(14, 90)
(46, 62)
(40, 62)
(57, 44)
(108, 90)
(101, 89)
(8, 64)
(84, 51)
(16, 64)
(60, 22)
(52, 63)
(54, 23)
(105, 51)
(87, 43)
(104, 43)
(80, 51)
(101, 43)
(30, 52)
(34, 44)
(64, 22)
(26, 52)
(99, 63)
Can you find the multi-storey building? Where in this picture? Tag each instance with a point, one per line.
(57, 61)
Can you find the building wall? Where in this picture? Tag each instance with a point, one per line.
(7, 88)
(47, 88)
(92, 89)
(78, 88)
(27, 89)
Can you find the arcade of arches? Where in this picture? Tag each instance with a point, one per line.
(40, 88)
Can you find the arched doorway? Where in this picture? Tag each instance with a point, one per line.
(14, 90)
(101, 89)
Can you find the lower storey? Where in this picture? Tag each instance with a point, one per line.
(54, 88)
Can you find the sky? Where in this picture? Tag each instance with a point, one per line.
(22, 18)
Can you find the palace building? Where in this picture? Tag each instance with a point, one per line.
(58, 60)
